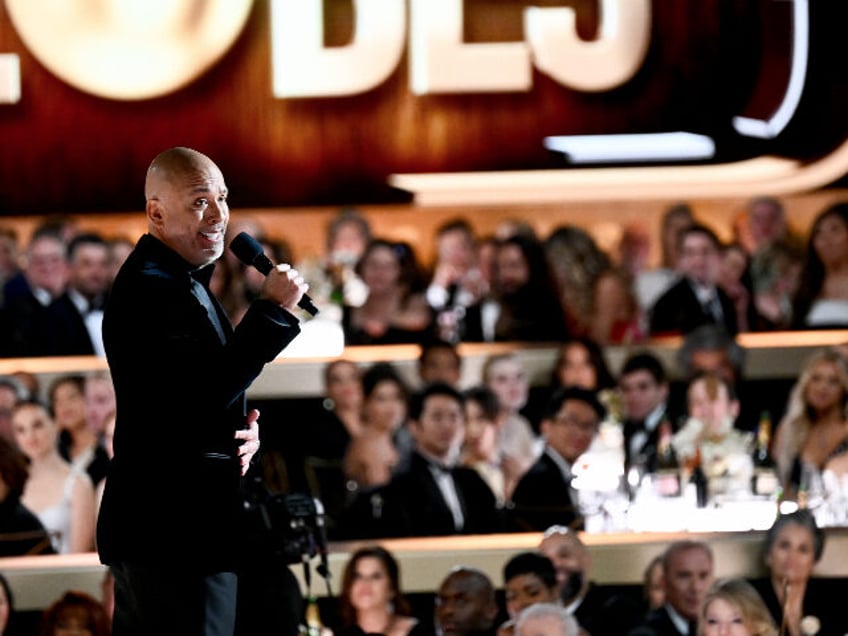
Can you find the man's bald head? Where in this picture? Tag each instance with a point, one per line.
(172, 163)
(465, 603)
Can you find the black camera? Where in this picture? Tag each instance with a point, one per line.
(288, 527)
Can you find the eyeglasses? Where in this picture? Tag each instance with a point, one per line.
(572, 421)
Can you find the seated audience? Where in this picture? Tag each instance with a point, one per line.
(597, 610)
(456, 282)
(815, 427)
(793, 546)
(687, 577)
(650, 284)
(75, 613)
(822, 298)
(439, 361)
(385, 406)
(466, 604)
(371, 599)
(99, 400)
(9, 255)
(695, 299)
(528, 578)
(544, 496)
(395, 310)
(732, 606)
(644, 387)
(505, 375)
(433, 496)
(709, 434)
(653, 594)
(60, 496)
(734, 278)
(545, 619)
(21, 532)
(79, 443)
(480, 445)
(528, 309)
(339, 418)
(596, 297)
(11, 392)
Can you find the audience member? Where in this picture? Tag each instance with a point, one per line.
(734, 278)
(466, 604)
(793, 594)
(60, 496)
(529, 578)
(480, 443)
(395, 310)
(11, 392)
(385, 407)
(28, 294)
(733, 607)
(644, 387)
(526, 295)
(9, 255)
(709, 434)
(439, 361)
(822, 298)
(456, 282)
(433, 496)
(653, 594)
(687, 576)
(695, 299)
(21, 532)
(504, 374)
(79, 443)
(120, 247)
(371, 600)
(581, 362)
(544, 495)
(815, 426)
(75, 318)
(597, 610)
(75, 613)
(596, 297)
(99, 400)
(340, 416)
(545, 619)
(652, 283)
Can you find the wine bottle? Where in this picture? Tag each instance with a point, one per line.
(764, 481)
(699, 480)
(667, 478)
(314, 627)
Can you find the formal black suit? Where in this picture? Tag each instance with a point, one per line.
(413, 505)
(67, 334)
(542, 498)
(648, 449)
(678, 311)
(23, 321)
(172, 493)
(658, 623)
(604, 613)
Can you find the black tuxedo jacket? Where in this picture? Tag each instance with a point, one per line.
(67, 334)
(678, 311)
(648, 449)
(413, 504)
(172, 495)
(542, 498)
(23, 321)
(603, 613)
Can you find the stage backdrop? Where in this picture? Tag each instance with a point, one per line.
(694, 65)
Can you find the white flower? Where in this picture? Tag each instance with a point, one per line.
(810, 625)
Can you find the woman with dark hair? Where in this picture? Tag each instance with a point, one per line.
(21, 532)
(581, 362)
(371, 601)
(795, 598)
(821, 301)
(395, 310)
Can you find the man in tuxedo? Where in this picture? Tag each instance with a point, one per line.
(466, 604)
(695, 299)
(76, 317)
(597, 610)
(543, 496)
(687, 576)
(433, 497)
(644, 391)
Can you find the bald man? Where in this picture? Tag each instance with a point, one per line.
(466, 604)
(169, 524)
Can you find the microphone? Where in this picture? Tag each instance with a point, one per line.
(248, 250)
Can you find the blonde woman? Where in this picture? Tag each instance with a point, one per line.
(732, 607)
(60, 496)
(815, 427)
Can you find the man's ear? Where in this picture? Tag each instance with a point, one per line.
(155, 216)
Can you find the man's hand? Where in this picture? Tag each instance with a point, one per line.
(250, 440)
